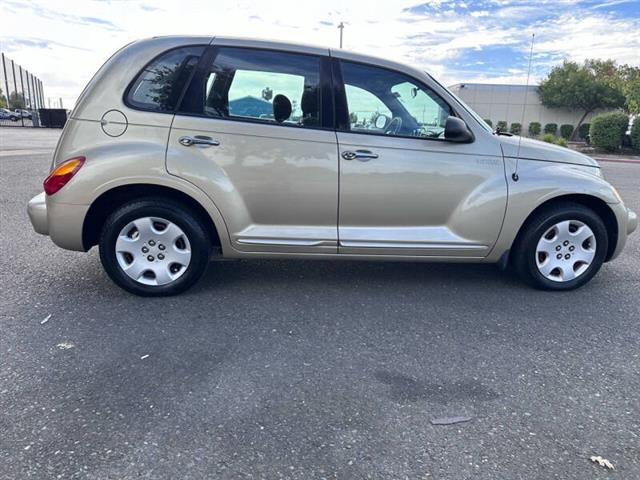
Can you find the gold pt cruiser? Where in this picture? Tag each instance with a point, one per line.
(184, 148)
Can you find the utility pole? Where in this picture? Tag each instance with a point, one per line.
(341, 27)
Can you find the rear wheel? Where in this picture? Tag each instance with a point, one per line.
(154, 247)
(561, 248)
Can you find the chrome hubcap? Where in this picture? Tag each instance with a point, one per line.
(153, 251)
(565, 251)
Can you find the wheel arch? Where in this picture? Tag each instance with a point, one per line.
(599, 206)
(117, 196)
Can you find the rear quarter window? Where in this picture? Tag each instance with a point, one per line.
(159, 85)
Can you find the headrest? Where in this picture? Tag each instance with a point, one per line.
(309, 102)
(281, 108)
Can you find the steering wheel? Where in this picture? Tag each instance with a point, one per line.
(394, 126)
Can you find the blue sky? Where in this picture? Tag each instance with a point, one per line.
(65, 42)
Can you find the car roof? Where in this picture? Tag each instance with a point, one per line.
(296, 47)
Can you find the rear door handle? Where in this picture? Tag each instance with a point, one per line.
(200, 140)
(362, 155)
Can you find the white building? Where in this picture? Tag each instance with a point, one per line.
(505, 102)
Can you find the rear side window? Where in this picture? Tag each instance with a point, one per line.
(264, 86)
(159, 86)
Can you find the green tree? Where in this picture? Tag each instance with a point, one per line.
(630, 81)
(625, 78)
(586, 88)
(16, 100)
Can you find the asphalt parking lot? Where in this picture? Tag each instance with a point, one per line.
(304, 370)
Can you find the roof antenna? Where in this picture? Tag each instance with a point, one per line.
(514, 175)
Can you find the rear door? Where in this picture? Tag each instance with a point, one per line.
(255, 132)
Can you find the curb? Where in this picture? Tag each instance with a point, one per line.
(613, 160)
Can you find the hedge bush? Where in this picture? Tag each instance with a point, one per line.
(534, 129)
(607, 130)
(583, 131)
(502, 125)
(488, 122)
(516, 128)
(635, 134)
(551, 128)
(566, 130)
(551, 138)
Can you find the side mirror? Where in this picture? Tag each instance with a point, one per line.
(455, 130)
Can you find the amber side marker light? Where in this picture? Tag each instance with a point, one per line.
(62, 174)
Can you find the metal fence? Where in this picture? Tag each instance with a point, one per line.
(21, 95)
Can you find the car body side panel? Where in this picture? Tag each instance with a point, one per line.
(276, 186)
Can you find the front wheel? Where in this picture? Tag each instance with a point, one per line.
(154, 247)
(561, 248)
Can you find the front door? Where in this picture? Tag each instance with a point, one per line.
(404, 190)
(252, 134)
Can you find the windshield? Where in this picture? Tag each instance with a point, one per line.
(478, 118)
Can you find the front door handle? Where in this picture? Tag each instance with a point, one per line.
(198, 140)
(362, 155)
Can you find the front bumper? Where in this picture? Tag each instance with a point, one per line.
(37, 209)
(61, 221)
(627, 224)
(632, 221)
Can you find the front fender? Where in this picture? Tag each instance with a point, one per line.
(541, 181)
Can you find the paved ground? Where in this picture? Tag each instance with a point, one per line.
(305, 370)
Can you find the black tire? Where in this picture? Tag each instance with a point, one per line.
(524, 253)
(155, 207)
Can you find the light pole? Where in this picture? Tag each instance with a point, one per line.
(341, 28)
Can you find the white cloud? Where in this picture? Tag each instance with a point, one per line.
(65, 42)
(594, 36)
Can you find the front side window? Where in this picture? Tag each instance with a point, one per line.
(387, 102)
(264, 86)
(159, 86)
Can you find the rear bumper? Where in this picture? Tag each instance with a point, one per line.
(61, 221)
(37, 209)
